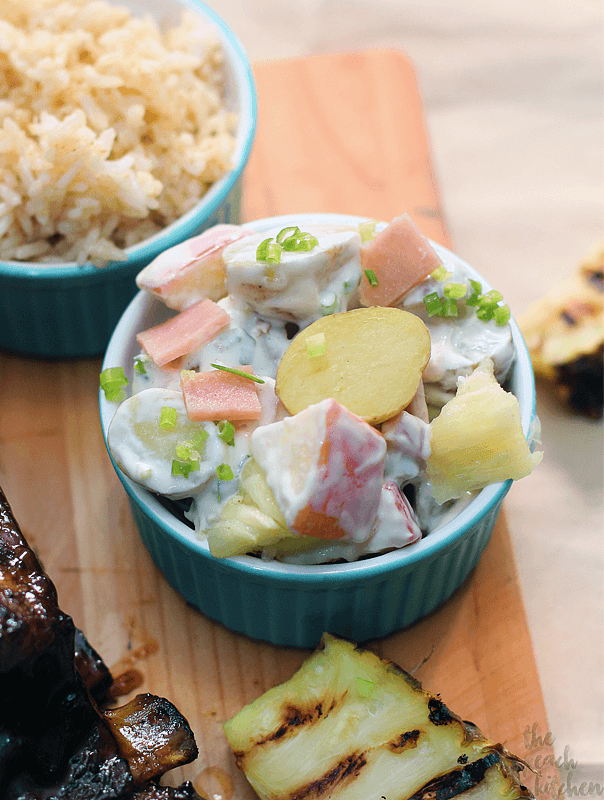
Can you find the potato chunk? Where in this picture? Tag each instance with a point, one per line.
(372, 365)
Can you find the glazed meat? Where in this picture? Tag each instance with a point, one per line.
(57, 742)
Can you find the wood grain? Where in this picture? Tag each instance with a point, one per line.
(340, 133)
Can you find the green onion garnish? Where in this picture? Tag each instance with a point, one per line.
(494, 295)
(440, 273)
(298, 241)
(239, 372)
(112, 380)
(370, 275)
(184, 452)
(167, 418)
(367, 230)
(139, 366)
(184, 467)
(316, 345)
(329, 305)
(455, 290)
(433, 303)
(198, 441)
(502, 315)
(224, 472)
(476, 287)
(286, 233)
(226, 432)
(449, 307)
(365, 687)
(268, 251)
(485, 312)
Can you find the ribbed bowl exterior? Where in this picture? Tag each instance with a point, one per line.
(297, 614)
(66, 317)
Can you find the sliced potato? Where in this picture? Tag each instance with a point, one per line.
(373, 362)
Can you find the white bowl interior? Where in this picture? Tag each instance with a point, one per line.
(145, 311)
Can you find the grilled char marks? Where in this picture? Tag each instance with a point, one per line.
(458, 781)
(406, 741)
(347, 769)
(439, 713)
(296, 717)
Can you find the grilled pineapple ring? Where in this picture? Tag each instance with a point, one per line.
(351, 726)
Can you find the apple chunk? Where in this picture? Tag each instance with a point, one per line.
(372, 363)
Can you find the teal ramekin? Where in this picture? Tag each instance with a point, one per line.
(294, 605)
(67, 310)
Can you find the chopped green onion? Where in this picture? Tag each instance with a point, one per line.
(224, 472)
(184, 467)
(473, 300)
(476, 287)
(455, 290)
(299, 242)
(167, 418)
(268, 251)
(502, 315)
(226, 432)
(184, 452)
(440, 273)
(139, 366)
(367, 230)
(286, 233)
(485, 312)
(316, 345)
(370, 275)
(449, 307)
(494, 295)
(433, 303)
(198, 441)
(365, 687)
(329, 303)
(112, 380)
(239, 372)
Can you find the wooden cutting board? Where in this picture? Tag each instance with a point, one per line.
(336, 133)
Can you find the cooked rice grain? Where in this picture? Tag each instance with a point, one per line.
(111, 128)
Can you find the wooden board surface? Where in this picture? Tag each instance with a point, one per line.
(340, 133)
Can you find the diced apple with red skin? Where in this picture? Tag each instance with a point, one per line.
(396, 518)
(192, 270)
(325, 467)
(220, 395)
(400, 257)
(185, 332)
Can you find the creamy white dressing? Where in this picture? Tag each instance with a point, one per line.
(268, 304)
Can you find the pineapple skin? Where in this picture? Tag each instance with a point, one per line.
(351, 726)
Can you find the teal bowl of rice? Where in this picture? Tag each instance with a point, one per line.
(137, 142)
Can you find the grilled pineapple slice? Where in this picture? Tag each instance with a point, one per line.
(349, 726)
(564, 332)
(477, 438)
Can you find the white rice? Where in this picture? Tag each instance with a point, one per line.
(110, 128)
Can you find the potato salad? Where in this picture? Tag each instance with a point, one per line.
(317, 393)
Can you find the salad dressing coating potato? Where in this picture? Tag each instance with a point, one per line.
(373, 362)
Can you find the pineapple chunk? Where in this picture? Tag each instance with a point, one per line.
(250, 519)
(349, 726)
(477, 438)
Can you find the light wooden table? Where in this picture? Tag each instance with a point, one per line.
(338, 133)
